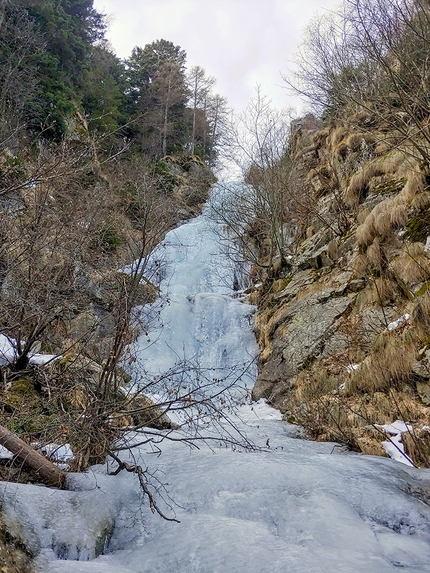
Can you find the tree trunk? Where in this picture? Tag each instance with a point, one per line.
(48, 472)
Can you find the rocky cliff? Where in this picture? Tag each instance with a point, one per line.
(343, 321)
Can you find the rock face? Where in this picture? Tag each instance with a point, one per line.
(334, 356)
(301, 331)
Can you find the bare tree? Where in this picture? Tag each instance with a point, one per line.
(371, 57)
(200, 87)
(259, 143)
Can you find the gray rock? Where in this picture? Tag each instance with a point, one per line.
(423, 389)
(422, 367)
(300, 333)
(336, 343)
(320, 258)
(307, 332)
(299, 280)
(312, 247)
(376, 320)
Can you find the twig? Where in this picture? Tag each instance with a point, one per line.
(135, 469)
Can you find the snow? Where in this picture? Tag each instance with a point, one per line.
(397, 427)
(288, 505)
(8, 353)
(394, 446)
(58, 453)
(351, 367)
(5, 454)
(399, 322)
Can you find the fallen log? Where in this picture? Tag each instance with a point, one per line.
(44, 469)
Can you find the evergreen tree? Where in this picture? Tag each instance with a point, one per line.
(159, 93)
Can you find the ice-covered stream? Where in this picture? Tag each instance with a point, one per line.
(294, 506)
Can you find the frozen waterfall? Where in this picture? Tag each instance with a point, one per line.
(293, 506)
(197, 317)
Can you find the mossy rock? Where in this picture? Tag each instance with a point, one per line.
(418, 227)
(393, 186)
(21, 389)
(423, 289)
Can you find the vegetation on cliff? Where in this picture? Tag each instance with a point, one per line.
(343, 320)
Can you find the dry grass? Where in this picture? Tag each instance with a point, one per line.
(413, 265)
(359, 184)
(365, 233)
(417, 446)
(341, 150)
(388, 365)
(362, 216)
(421, 316)
(374, 255)
(386, 216)
(354, 141)
(382, 148)
(336, 136)
(383, 291)
(382, 224)
(395, 162)
(361, 265)
(314, 385)
(421, 201)
(414, 184)
(399, 215)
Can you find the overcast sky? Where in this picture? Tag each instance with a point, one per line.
(240, 42)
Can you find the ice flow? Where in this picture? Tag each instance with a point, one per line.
(293, 506)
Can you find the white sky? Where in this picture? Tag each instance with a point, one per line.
(241, 43)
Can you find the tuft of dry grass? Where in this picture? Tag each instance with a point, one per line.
(383, 291)
(362, 216)
(336, 136)
(388, 365)
(385, 217)
(354, 141)
(382, 148)
(341, 150)
(361, 265)
(414, 184)
(421, 201)
(359, 184)
(399, 215)
(417, 446)
(365, 232)
(382, 224)
(374, 255)
(413, 264)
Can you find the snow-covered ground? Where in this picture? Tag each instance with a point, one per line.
(290, 506)
(8, 353)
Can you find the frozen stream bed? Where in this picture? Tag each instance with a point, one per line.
(291, 506)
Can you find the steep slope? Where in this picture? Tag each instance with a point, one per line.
(343, 323)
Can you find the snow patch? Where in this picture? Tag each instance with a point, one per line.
(8, 353)
(394, 446)
(399, 322)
